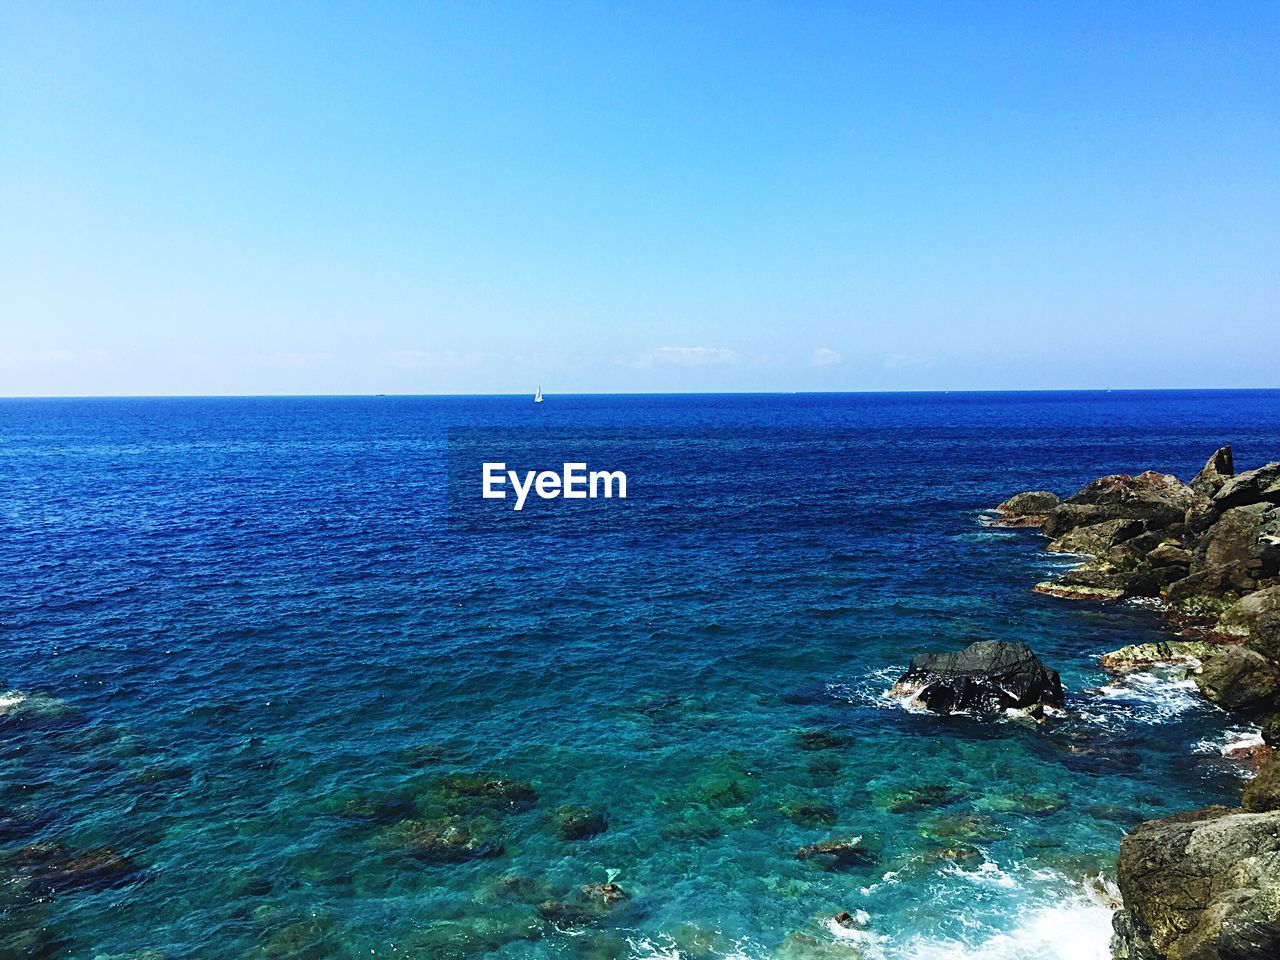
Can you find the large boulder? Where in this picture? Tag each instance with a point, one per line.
(1028, 509)
(1216, 472)
(1242, 546)
(1257, 617)
(1262, 793)
(1161, 499)
(1252, 486)
(1240, 680)
(986, 677)
(1202, 597)
(1203, 885)
(1096, 539)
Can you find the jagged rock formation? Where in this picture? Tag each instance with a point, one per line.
(986, 677)
(1209, 549)
(1203, 885)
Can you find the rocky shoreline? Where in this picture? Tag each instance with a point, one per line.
(1201, 885)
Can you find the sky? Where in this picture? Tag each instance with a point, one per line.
(311, 198)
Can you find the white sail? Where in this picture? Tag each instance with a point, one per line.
(537, 397)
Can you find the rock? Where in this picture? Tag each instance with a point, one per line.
(1262, 793)
(1097, 539)
(1158, 498)
(1252, 486)
(1203, 885)
(1199, 598)
(1240, 680)
(1239, 546)
(1033, 804)
(923, 797)
(986, 676)
(588, 904)
(1170, 553)
(1216, 472)
(820, 740)
(1249, 755)
(821, 813)
(1270, 724)
(1257, 616)
(838, 854)
(1067, 591)
(443, 840)
(805, 946)
(1143, 656)
(579, 823)
(1068, 516)
(1130, 575)
(464, 791)
(1029, 509)
(604, 892)
(50, 868)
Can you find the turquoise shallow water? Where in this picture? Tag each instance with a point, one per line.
(253, 646)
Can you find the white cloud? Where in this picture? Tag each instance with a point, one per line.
(690, 357)
(825, 357)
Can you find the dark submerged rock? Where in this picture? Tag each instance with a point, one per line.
(926, 796)
(820, 740)
(589, 904)
(820, 813)
(465, 791)
(50, 868)
(443, 840)
(579, 823)
(838, 854)
(987, 676)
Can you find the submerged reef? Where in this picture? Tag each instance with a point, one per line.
(1203, 884)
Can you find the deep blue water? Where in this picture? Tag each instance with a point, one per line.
(246, 639)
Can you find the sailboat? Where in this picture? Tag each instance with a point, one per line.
(537, 397)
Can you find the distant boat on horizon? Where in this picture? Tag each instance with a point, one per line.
(537, 397)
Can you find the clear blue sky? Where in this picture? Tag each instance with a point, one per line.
(482, 197)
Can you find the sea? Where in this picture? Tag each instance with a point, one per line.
(277, 681)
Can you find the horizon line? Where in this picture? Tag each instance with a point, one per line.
(630, 393)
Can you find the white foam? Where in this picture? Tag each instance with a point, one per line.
(665, 948)
(873, 690)
(1147, 697)
(1239, 737)
(11, 700)
(1074, 927)
(15, 702)
(988, 873)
